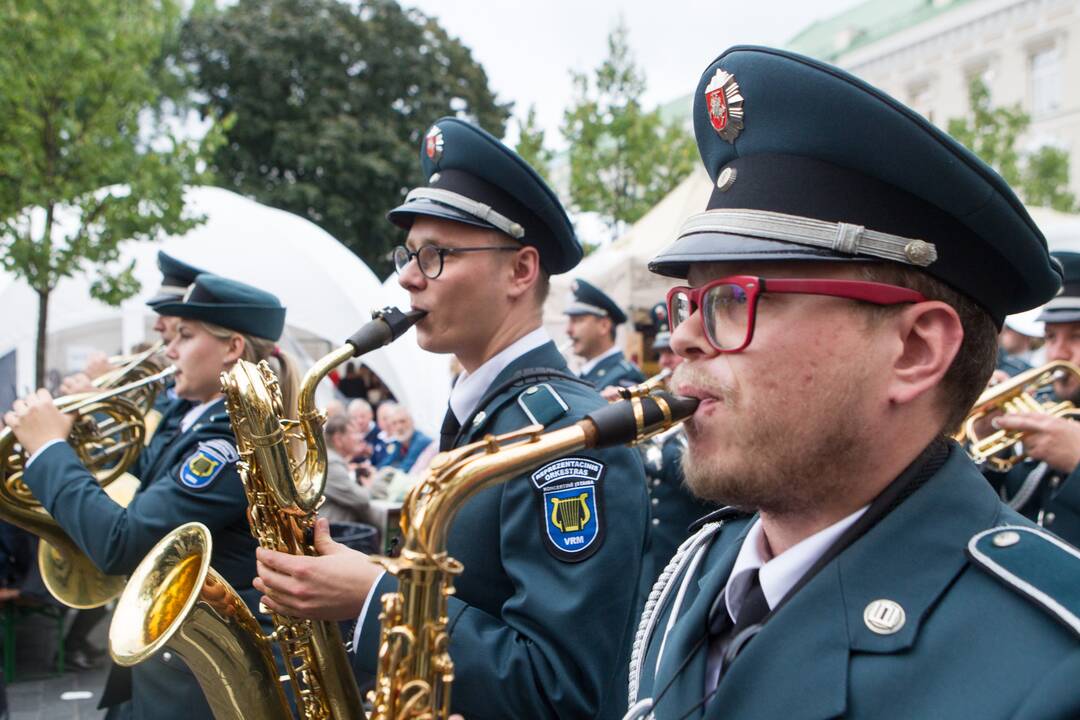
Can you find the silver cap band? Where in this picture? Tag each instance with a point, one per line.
(470, 206)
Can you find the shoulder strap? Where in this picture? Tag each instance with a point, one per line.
(1036, 565)
(522, 377)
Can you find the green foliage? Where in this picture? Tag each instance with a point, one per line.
(531, 144)
(1040, 178)
(331, 100)
(86, 160)
(623, 159)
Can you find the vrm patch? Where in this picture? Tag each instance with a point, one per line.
(206, 463)
(571, 519)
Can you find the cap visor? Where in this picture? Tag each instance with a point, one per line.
(674, 261)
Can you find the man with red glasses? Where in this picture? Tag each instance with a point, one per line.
(843, 293)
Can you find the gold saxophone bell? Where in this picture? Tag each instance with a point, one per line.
(1017, 394)
(107, 435)
(415, 672)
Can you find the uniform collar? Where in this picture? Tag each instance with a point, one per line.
(470, 387)
(591, 364)
(910, 557)
(193, 415)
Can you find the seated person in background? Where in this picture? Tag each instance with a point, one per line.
(352, 385)
(407, 442)
(335, 407)
(363, 419)
(384, 435)
(346, 494)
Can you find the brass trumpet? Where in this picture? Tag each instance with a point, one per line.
(1015, 395)
(107, 436)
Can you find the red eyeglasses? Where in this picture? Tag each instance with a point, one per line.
(729, 305)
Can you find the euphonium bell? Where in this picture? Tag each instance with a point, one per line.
(1015, 395)
(175, 599)
(107, 435)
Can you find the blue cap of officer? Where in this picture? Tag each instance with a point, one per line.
(230, 304)
(659, 315)
(811, 163)
(475, 179)
(176, 276)
(591, 300)
(1066, 306)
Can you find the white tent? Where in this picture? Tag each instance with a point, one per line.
(329, 293)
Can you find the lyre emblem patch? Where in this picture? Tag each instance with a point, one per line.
(569, 492)
(205, 464)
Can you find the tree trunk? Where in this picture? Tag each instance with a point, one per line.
(42, 327)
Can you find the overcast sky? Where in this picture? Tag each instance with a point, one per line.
(528, 48)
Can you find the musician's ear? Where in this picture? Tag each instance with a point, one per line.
(929, 335)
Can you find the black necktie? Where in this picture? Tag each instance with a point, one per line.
(448, 432)
(753, 610)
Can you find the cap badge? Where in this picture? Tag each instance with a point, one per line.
(725, 105)
(433, 143)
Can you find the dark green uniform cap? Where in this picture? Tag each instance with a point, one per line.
(475, 179)
(176, 276)
(811, 163)
(591, 300)
(230, 304)
(1066, 306)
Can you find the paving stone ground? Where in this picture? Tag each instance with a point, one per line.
(37, 691)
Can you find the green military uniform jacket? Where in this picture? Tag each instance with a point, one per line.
(1044, 495)
(535, 635)
(672, 507)
(615, 370)
(989, 631)
(183, 477)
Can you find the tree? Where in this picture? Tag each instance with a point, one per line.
(85, 159)
(623, 160)
(331, 100)
(1040, 177)
(531, 144)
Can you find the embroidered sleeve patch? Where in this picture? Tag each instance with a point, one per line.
(569, 493)
(206, 463)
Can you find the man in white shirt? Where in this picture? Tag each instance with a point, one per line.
(541, 621)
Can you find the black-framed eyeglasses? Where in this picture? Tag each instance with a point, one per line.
(430, 258)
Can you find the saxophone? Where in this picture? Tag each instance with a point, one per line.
(176, 600)
(415, 672)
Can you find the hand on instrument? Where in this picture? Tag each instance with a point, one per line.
(36, 420)
(1053, 440)
(75, 384)
(97, 365)
(610, 393)
(331, 586)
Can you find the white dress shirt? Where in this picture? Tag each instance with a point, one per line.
(588, 366)
(777, 575)
(464, 396)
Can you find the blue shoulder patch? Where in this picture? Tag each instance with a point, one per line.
(542, 405)
(569, 491)
(203, 466)
(1035, 564)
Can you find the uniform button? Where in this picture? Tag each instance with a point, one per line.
(656, 521)
(1048, 519)
(1006, 538)
(479, 419)
(166, 656)
(884, 617)
(656, 482)
(1055, 482)
(656, 501)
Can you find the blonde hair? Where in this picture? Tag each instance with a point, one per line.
(257, 349)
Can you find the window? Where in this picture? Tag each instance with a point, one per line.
(1046, 73)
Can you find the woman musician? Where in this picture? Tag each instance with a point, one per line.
(187, 473)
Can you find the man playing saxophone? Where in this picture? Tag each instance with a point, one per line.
(187, 473)
(1046, 486)
(541, 622)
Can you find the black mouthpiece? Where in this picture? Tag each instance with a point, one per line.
(386, 326)
(616, 424)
